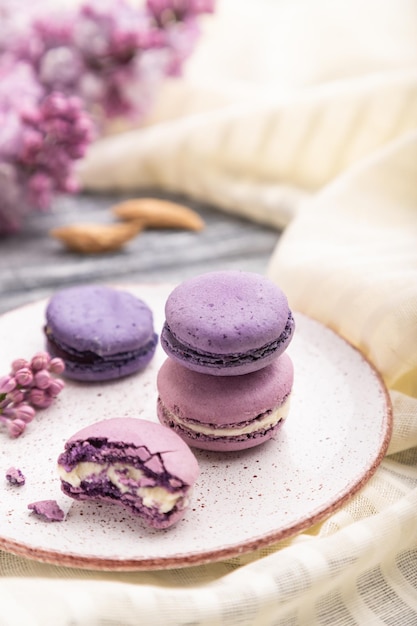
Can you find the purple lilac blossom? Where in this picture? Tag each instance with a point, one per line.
(28, 387)
(62, 69)
(40, 138)
(111, 53)
(178, 19)
(168, 10)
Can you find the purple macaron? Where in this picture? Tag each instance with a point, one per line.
(131, 462)
(224, 413)
(226, 323)
(101, 333)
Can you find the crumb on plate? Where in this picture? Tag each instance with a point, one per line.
(15, 476)
(49, 510)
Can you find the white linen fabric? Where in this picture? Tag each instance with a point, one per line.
(300, 115)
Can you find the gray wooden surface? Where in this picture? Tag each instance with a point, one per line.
(33, 264)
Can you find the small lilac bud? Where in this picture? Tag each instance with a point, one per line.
(16, 396)
(9, 413)
(25, 412)
(56, 387)
(7, 384)
(24, 377)
(16, 427)
(40, 361)
(39, 398)
(42, 379)
(36, 396)
(56, 366)
(4, 401)
(47, 402)
(19, 364)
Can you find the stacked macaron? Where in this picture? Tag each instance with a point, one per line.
(227, 380)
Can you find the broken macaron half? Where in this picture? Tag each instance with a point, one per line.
(132, 462)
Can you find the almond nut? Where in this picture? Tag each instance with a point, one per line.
(156, 213)
(96, 238)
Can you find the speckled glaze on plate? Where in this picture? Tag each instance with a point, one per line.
(334, 438)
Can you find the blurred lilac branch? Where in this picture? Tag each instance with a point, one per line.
(65, 72)
(41, 134)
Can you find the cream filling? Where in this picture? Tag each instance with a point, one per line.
(263, 424)
(117, 473)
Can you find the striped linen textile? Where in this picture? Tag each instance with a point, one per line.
(314, 130)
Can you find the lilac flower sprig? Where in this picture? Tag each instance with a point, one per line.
(179, 21)
(30, 385)
(110, 53)
(65, 72)
(40, 138)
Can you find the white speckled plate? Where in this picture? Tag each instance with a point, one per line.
(333, 440)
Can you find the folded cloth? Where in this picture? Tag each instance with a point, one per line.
(263, 158)
(329, 152)
(359, 242)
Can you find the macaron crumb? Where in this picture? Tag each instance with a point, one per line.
(15, 476)
(48, 510)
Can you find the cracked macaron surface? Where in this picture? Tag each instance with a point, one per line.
(138, 464)
(226, 323)
(101, 333)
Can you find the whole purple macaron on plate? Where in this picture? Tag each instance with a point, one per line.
(138, 464)
(101, 333)
(225, 413)
(226, 323)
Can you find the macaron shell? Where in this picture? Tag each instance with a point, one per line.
(221, 365)
(228, 312)
(137, 434)
(99, 319)
(224, 400)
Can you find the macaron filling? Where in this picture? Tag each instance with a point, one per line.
(177, 347)
(133, 477)
(258, 426)
(92, 359)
